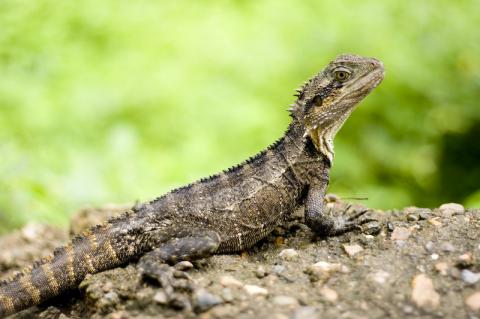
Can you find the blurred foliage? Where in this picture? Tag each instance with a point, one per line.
(117, 101)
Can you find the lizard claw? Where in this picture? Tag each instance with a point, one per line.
(349, 221)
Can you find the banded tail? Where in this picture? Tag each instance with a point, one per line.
(89, 253)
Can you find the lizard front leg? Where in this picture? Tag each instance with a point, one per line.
(323, 224)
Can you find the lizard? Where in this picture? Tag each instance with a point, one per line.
(224, 213)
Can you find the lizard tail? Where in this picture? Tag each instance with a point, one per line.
(89, 253)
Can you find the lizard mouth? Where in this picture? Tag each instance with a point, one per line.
(360, 89)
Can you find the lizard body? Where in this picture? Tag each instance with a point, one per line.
(227, 212)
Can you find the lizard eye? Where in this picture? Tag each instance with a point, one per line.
(341, 74)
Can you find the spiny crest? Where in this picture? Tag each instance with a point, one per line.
(227, 171)
(296, 108)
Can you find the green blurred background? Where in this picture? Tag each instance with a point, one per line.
(118, 101)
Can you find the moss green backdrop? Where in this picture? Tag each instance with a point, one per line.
(118, 101)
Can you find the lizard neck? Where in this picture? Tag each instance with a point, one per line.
(309, 144)
(304, 154)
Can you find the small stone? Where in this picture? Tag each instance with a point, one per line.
(229, 281)
(160, 297)
(473, 301)
(255, 290)
(261, 272)
(329, 294)
(434, 256)
(435, 221)
(470, 277)
(227, 295)
(424, 213)
(401, 233)
(322, 270)
(184, 265)
(380, 277)
(407, 309)
(277, 269)
(447, 247)
(442, 268)
(203, 300)
(372, 228)
(413, 217)
(423, 293)
(32, 231)
(390, 226)
(306, 313)
(352, 250)
(429, 246)
(285, 301)
(288, 254)
(465, 260)
(410, 210)
(450, 209)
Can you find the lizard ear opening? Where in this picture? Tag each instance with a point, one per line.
(317, 101)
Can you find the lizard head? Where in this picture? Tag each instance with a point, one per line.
(325, 101)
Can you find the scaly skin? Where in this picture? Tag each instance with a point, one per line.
(228, 212)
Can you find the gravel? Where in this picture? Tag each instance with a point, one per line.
(419, 263)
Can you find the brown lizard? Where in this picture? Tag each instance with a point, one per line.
(224, 213)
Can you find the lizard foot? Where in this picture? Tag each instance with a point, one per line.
(153, 264)
(349, 220)
(176, 283)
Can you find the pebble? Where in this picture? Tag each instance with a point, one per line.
(473, 301)
(435, 221)
(373, 228)
(434, 256)
(227, 295)
(352, 250)
(450, 209)
(285, 301)
(261, 272)
(306, 313)
(323, 270)
(288, 254)
(108, 300)
(423, 293)
(413, 217)
(278, 269)
(329, 294)
(255, 290)
(447, 247)
(184, 265)
(442, 268)
(160, 297)
(430, 246)
(401, 233)
(229, 281)
(380, 277)
(465, 260)
(470, 277)
(203, 300)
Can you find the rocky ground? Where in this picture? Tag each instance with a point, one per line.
(415, 263)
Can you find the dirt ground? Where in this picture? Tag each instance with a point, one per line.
(415, 263)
